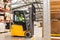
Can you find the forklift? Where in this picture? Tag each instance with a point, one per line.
(22, 24)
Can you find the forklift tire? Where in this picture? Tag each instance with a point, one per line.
(28, 34)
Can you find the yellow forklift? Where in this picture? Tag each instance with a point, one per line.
(22, 24)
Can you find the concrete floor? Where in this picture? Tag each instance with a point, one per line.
(6, 36)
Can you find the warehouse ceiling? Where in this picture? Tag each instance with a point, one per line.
(25, 4)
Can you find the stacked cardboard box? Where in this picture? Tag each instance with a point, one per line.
(4, 8)
(55, 16)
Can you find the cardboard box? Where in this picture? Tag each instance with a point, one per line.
(55, 23)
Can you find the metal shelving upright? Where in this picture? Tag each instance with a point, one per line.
(4, 7)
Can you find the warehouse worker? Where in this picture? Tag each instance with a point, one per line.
(21, 18)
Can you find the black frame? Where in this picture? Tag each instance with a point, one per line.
(19, 22)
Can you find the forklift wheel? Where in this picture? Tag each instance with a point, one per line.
(28, 35)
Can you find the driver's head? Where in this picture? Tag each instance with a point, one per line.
(21, 15)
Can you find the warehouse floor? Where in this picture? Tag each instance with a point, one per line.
(6, 36)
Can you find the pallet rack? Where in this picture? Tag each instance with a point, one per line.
(4, 7)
